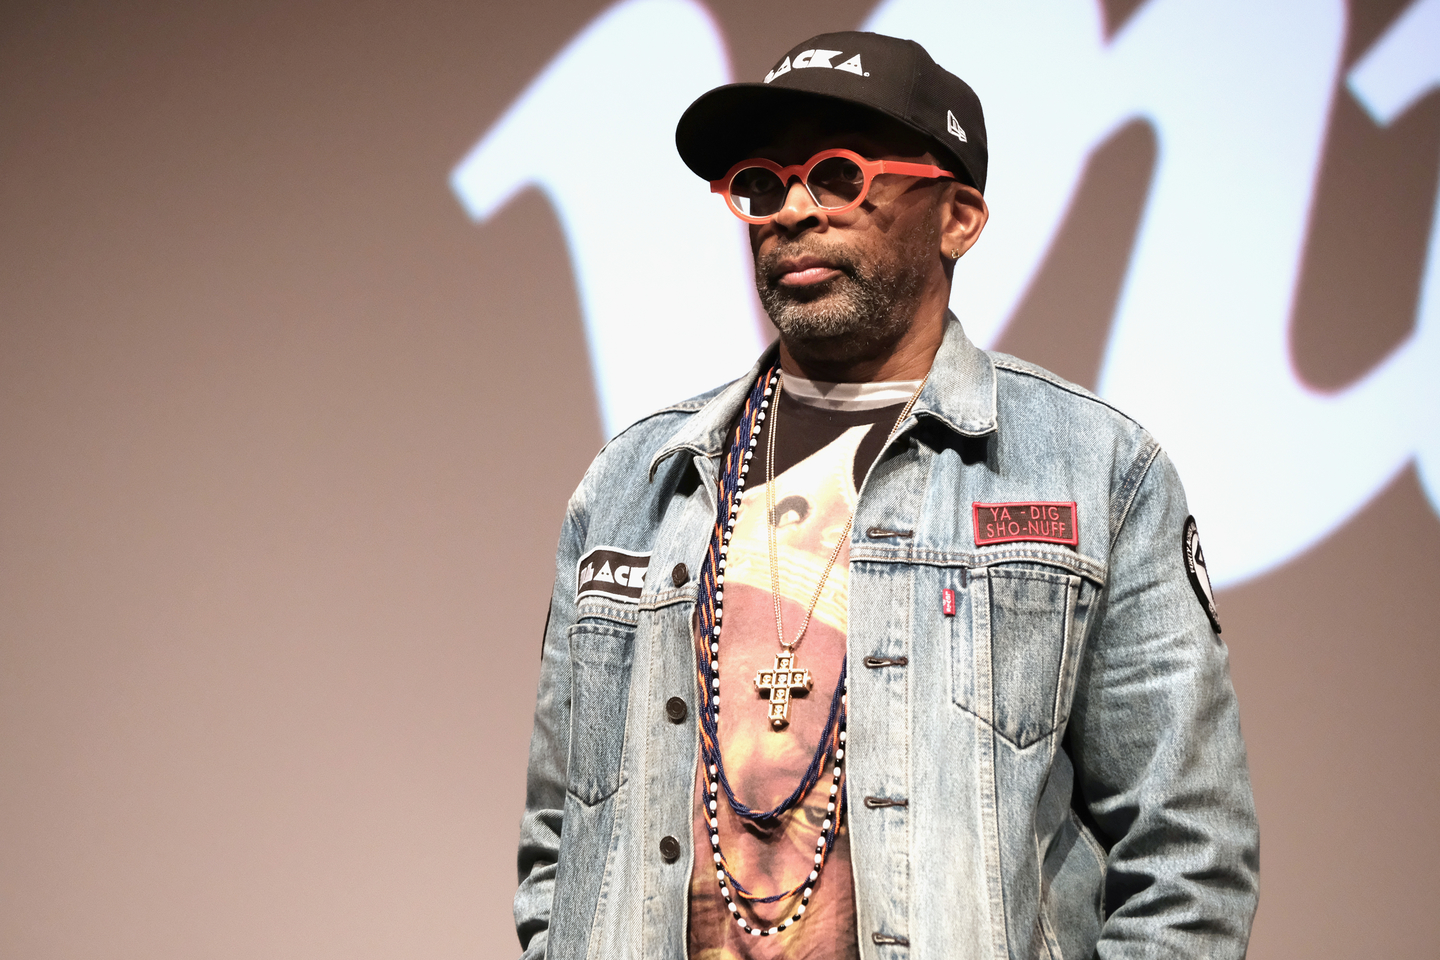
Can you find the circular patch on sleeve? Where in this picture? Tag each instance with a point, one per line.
(1195, 569)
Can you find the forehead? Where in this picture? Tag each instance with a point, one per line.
(796, 139)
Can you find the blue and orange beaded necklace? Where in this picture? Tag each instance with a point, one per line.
(709, 614)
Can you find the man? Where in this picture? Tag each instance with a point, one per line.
(974, 702)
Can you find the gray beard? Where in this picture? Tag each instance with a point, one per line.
(854, 315)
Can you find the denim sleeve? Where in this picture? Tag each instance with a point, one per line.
(1161, 775)
(549, 754)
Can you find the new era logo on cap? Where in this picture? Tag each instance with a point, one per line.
(817, 58)
(954, 127)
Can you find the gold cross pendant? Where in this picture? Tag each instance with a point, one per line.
(781, 682)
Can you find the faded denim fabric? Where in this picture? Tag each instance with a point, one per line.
(1068, 741)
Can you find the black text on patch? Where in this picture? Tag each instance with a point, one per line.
(1027, 520)
(1198, 573)
(611, 572)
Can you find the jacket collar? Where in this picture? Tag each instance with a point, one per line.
(705, 433)
(959, 393)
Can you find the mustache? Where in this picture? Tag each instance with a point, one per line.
(768, 265)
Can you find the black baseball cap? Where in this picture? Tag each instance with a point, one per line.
(886, 75)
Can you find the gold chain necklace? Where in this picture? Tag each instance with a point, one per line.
(785, 678)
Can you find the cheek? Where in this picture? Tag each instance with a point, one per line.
(873, 232)
(903, 218)
(910, 231)
(879, 238)
(764, 240)
(893, 246)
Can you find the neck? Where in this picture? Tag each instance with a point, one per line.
(908, 357)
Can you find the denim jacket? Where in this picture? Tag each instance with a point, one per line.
(1067, 740)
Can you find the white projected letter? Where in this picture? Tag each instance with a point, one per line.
(1239, 93)
(1402, 67)
(662, 268)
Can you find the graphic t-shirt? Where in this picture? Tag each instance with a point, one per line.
(827, 436)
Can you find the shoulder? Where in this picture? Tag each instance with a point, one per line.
(1035, 403)
(620, 472)
(1053, 428)
(1025, 382)
(655, 429)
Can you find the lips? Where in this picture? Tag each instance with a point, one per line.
(803, 271)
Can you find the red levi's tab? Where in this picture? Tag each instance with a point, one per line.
(1031, 520)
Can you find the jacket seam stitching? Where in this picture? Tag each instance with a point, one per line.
(1086, 568)
(1073, 389)
(995, 729)
(602, 895)
(575, 514)
(1130, 488)
(680, 408)
(1089, 840)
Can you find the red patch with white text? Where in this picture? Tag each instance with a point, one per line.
(1029, 520)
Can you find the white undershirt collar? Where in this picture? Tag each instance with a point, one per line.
(849, 396)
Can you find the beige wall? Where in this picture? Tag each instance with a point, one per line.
(287, 441)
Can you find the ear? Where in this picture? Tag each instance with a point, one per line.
(963, 214)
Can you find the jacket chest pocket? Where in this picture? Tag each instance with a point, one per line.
(600, 657)
(1009, 668)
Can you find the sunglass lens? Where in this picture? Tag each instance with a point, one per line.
(757, 192)
(836, 182)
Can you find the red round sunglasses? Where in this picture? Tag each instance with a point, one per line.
(837, 180)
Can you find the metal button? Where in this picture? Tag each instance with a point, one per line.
(669, 849)
(676, 710)
(680, 575)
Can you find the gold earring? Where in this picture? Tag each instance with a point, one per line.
(954, 254)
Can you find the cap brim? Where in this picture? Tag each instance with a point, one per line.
(727, 124)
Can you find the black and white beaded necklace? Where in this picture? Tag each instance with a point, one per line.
(709, 601)
(709, 612)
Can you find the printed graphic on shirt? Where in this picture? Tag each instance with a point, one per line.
(1028, 520)
(1195, 569)
(611, 572)
(821, 457)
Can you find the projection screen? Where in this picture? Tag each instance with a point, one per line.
(314, 314)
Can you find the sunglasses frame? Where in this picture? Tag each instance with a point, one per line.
(870, 169)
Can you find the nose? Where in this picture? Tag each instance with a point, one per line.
(800, 209)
